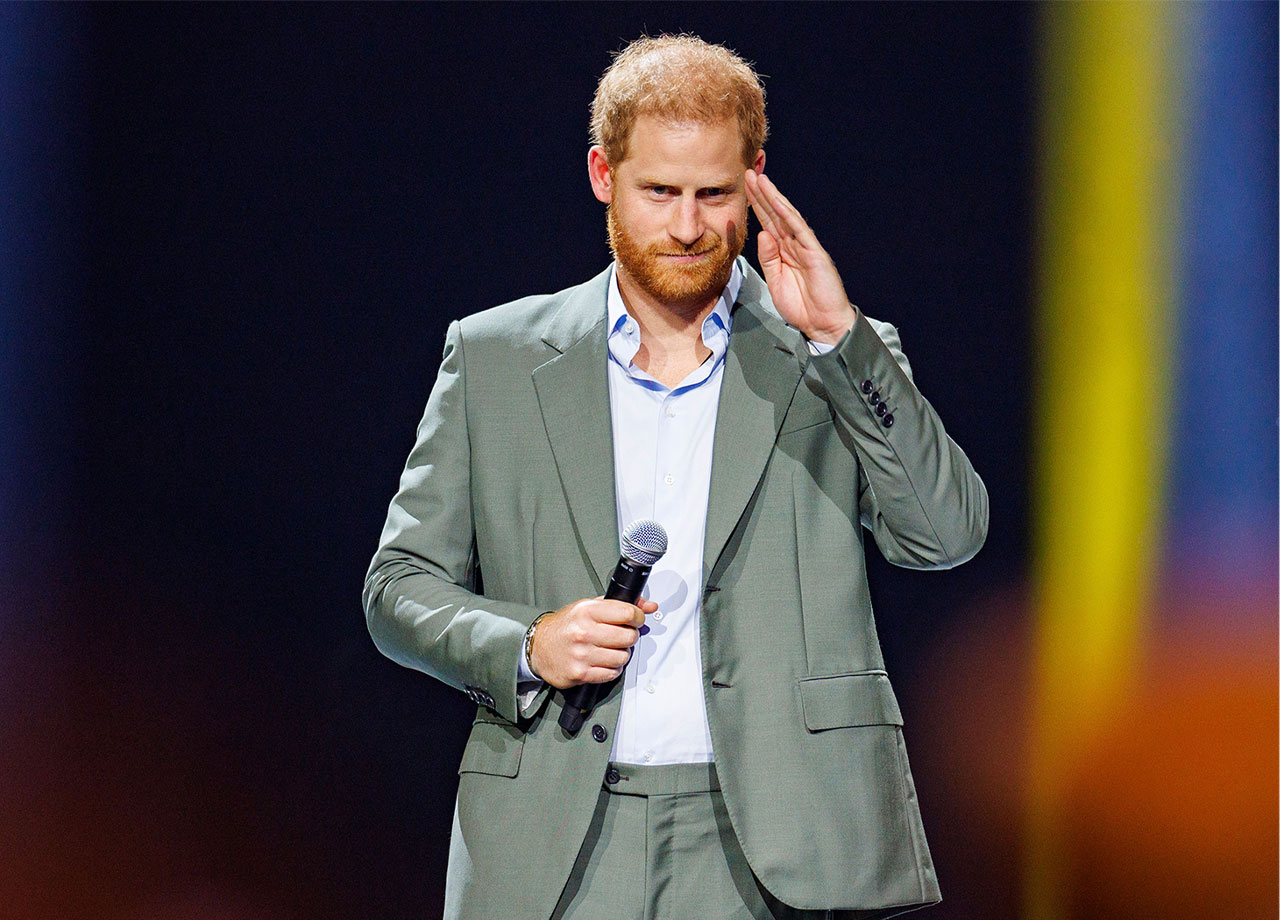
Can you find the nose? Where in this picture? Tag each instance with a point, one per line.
(686, 222)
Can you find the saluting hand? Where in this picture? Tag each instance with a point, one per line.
(803, 281)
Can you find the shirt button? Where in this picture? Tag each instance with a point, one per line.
(671, 413)
(651, 688)
(668, 479)
(648, 756)
(630, 327)
(657, 614)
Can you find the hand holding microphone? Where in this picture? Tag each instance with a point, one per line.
(588, 643)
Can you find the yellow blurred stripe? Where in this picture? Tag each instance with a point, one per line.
(1105, 325)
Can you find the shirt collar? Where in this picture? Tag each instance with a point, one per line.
(624, 331)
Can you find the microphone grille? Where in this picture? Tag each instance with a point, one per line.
(644, 542)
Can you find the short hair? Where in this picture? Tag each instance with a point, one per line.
(678, 78)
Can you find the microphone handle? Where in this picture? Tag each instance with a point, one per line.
(625, 584)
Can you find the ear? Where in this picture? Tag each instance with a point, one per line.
(758, 165)
(600, 174)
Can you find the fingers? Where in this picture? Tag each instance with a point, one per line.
(755, 197)
(619, 613)
(777, 215)
(600, 675)
(789, 219)
(598, 663)
(611, 659)
(607, 635)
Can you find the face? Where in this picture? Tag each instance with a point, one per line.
(677, 208)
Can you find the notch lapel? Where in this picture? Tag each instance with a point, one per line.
(573, 396)
(761, 372)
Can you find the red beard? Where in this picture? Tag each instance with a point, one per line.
(672, 283)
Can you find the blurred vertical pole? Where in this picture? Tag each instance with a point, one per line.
(1104, 326)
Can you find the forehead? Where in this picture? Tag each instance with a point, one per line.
(692, 151)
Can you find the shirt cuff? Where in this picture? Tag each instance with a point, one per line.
(524, 674)
(819, 348)
(527, 685)
(526, 694)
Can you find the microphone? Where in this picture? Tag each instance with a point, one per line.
(643, 543)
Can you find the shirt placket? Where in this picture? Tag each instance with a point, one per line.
(669, 494)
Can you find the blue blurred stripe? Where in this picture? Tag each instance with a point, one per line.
(1222, 511)
(42, 275)
(13, 149)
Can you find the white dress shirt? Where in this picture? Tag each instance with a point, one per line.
(662, 446)
(662, 441)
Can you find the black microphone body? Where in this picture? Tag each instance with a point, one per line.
(625, 584)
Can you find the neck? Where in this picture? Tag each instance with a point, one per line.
(665, 325)
(671, 345)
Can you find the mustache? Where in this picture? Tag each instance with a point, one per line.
(716, 244)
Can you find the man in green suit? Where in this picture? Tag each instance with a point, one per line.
(749, 762)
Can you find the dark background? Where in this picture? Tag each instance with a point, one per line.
(243, 230)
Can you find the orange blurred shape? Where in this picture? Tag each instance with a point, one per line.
(1173, 812)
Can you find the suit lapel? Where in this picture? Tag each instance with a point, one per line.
(573, 395)
(761, 372)
(762, 369)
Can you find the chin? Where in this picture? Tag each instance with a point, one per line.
(696, 284)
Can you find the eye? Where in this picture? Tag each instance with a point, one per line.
(714, 192)
(660, 189)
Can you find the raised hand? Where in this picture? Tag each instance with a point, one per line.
(803, 282)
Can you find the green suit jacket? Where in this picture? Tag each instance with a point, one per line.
(506, 510)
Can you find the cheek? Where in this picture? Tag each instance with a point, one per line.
(638, 220)
(734, 225)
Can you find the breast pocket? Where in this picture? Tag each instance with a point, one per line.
(493, 748)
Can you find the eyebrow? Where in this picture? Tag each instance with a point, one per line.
(720, 183)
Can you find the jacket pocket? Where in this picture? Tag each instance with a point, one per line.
(848, 700)
(493, 748)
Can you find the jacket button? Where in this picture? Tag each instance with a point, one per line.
(612, 776)
(867, 386)
(887, 421)
(882, 408)
(874, 398)
(598, 732)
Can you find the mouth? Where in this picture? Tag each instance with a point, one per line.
(684, 258)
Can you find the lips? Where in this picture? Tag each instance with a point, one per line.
(687, 255)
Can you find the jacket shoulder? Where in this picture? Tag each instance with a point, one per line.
(517, 323)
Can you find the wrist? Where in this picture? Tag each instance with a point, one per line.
(529, 638)
(832, 335)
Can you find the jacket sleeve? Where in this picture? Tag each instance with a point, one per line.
(420, 597)
(918, 493)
